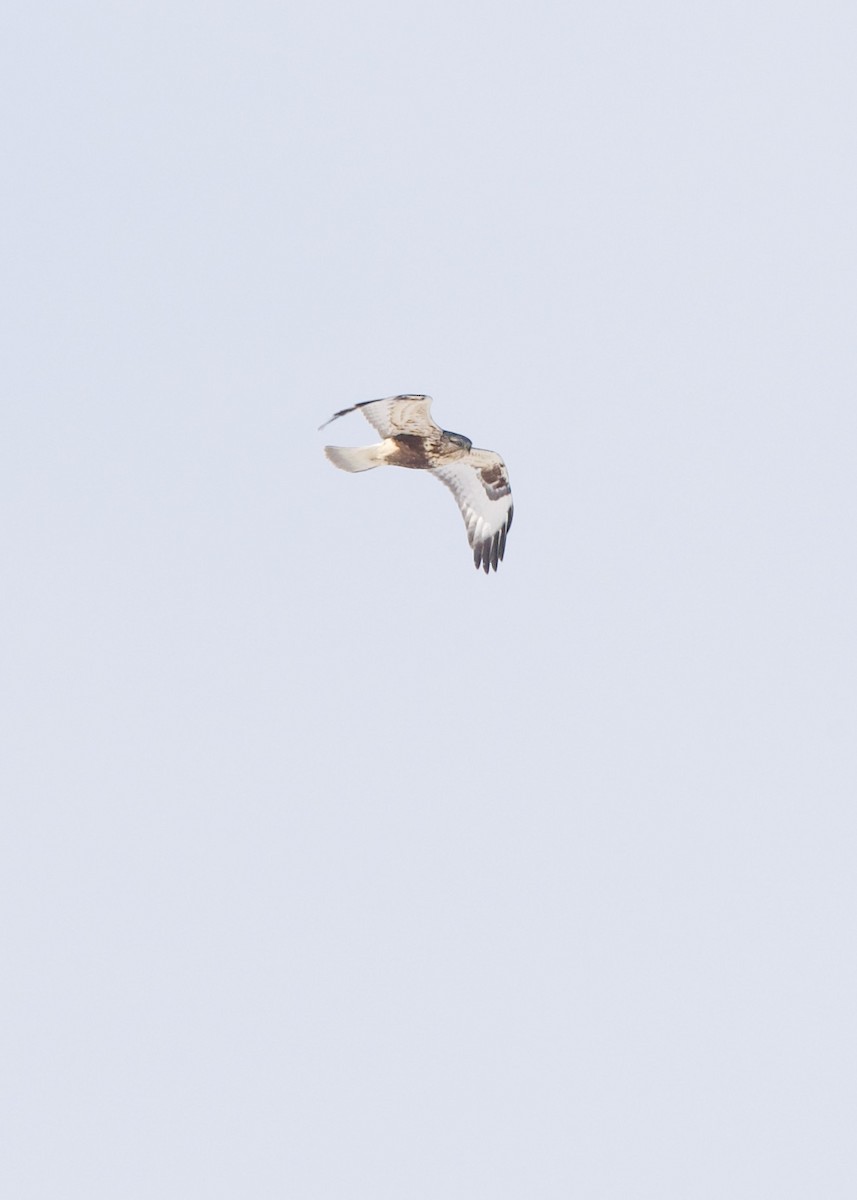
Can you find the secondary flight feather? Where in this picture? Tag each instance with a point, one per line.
(478, 479)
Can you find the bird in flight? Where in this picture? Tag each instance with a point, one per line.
(477, 478)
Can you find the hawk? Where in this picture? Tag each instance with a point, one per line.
(477, 478)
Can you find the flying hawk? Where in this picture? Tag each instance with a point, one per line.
(477, 478)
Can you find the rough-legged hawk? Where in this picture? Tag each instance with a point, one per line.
(477, 478)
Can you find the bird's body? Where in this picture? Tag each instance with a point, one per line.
(477, 478)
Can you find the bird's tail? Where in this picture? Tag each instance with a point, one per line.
(356, 458)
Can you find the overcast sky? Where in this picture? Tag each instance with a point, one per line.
(332, 868)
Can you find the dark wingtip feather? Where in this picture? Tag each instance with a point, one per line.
(489, 553)
(482, 556)
(330, 420)
(343, 412)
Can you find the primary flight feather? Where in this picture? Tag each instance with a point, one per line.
(477, 478)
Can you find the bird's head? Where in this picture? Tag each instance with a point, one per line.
(459, 439)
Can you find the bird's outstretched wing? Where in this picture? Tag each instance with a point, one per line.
(396, 414)
(480, 484)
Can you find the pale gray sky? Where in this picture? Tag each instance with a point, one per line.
(331, 867)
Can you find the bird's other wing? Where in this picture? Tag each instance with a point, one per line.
(396, 414)
(480, 484)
